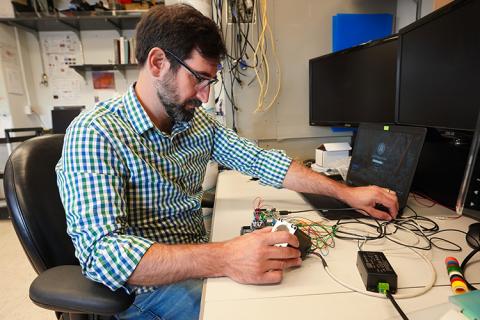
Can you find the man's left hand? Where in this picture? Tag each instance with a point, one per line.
(366, 198)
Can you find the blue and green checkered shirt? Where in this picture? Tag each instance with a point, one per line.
(125, 184)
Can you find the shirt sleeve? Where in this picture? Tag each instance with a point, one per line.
(241, 154)
(91, 179)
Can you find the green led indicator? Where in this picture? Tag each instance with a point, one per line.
(386, 128)
(383, 287)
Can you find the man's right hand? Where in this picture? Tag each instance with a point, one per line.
(253, 258)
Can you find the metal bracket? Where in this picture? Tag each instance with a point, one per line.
(115, 25)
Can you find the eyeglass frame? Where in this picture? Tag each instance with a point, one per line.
(199, 78)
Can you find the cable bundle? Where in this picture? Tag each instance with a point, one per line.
(242, 47)
(262, 72)
(321, 235)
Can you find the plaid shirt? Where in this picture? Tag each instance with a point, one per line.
(125, 184)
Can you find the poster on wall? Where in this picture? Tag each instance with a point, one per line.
(13, 76)
(60, 52)
(103, 80)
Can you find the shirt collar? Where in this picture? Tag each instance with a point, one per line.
(137, 116)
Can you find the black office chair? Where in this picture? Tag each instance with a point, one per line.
(25, 134)
(39, 220)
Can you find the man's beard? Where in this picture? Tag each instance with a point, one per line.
(178, 112)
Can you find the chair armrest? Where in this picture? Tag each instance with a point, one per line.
(65, 289)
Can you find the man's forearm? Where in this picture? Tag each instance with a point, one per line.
(163, 264)
(251, 258)
(302, 179)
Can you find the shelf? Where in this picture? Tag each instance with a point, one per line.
(103, 67)
(82, 68)
(119, 21)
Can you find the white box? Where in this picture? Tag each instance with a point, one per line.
(328, 153)
(6, 10)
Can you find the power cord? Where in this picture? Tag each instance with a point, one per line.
(464, 265)
(287, 212)
(395, 304)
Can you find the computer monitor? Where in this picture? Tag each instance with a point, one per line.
(63, 116)
(438, 68)
(354, 85)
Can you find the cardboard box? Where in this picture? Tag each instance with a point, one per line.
(328, 153)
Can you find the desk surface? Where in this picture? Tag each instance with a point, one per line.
(308, 290)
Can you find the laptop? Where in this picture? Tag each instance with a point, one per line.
(383, 155)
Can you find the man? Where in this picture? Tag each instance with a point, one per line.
(131, 172)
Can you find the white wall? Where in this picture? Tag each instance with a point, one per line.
(407, 10)
(12, 101)
(302, 30)
(12, 105)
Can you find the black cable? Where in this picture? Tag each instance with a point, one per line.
(321, 258)
(411, 209)
(395, 304)
(285, 212)
(456, 247)
(464, 265)
(378, 227)
(235, 60)
(231, 98)
(405, 219)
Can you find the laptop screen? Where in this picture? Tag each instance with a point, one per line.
(386, 156)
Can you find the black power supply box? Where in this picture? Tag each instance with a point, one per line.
(376, 271)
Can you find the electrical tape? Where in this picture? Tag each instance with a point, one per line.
(457, 281)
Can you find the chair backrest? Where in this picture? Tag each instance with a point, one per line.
(34, 132)
(34, 202)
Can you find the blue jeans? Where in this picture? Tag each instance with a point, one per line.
(177, 301)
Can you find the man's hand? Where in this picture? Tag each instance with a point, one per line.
(366, 198)
(253, 258)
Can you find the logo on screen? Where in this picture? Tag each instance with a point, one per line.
(381, 148)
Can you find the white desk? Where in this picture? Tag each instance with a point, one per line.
(308, 291)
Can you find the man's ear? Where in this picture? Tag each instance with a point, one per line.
(157, 62)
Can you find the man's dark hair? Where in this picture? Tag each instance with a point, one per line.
(179, 29)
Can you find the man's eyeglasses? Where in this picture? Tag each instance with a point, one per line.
(202, 81)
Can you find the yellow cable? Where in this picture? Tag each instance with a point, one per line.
(264, 53)
(264, 78)
(279, 75)
(260, 44)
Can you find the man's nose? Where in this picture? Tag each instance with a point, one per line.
(203, 94)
